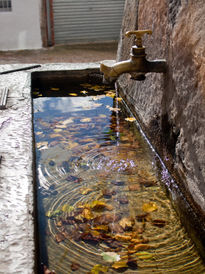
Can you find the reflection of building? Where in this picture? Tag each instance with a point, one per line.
(33, 24)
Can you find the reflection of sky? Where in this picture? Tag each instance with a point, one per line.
(64, 104)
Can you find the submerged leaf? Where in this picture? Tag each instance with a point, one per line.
(100, 205)
(98, 268)
(120, 264)
(149, 207)
(73, 94)
(130, 119)
(144, 255)
(126, 223)
(67, 208)
(110, 257)
(84, 120)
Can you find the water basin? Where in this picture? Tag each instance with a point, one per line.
(102, 207)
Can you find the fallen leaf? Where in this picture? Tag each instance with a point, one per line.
(110, 257)
(126, 223)
(59, 237)
(100, 205)
(74, 266)
(111, 94)
(84, 91)
(73, 94)
(130, 119)
(84, 120)
(54, 88)
(159, 223)
(144, 255)
(98, 268)
(119, 99)
(85, 191)
(120, 264)
(121, 237)
(67, 208)
(149, 207)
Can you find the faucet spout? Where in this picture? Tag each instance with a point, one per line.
(137, 66)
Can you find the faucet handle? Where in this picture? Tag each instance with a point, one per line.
(138, 34)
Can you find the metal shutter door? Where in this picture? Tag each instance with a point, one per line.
(87, 20)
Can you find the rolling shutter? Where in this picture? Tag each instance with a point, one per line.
(87, 20)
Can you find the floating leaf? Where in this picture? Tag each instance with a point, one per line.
(73, 94)
(74, 266)
(100, 205)
(84, 91)
(59, 237)
(53, 214)
(149, 207)
(86, 191)
(55, 89)
(130, 119)
(111, 94)
(159, 223)
(120, 264)
(98, 268)
(84, 120)
(87, 214)
(137, 247)
(110, 257)
(122, 237)
(67, 208)
(144, 255)
(102, 228)
(126, 223)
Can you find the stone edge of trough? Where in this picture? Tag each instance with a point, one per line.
(17, 224)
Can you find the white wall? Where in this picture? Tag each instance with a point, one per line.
(20, 28)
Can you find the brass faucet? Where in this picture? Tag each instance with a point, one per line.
(137, 65)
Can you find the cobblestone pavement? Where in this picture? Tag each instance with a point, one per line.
(83, 53)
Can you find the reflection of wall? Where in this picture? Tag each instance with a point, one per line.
(20, 28)
(171, 108)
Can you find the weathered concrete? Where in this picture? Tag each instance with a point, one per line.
(171, 107)
(17, 247)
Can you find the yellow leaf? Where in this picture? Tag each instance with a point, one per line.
(143, 255)
(101, 227)
(119, 99)
(41, 144)
(73, 94)
(84, 120)
(126, 222)
(123, 238)
(120, 264)
(111, 94)
(86, 191)
(57, 130)
(67, 208)
(87, 214)
(54, 88)
(99, 205)
(84, 91)
(98, 268)
(130, 119)
(149, 207)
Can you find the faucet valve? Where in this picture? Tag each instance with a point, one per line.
(139, 34)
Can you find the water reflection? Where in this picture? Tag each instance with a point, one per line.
(101, 205)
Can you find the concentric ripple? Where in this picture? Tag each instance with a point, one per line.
(88, 165)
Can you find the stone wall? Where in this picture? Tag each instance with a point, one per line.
(171, 106)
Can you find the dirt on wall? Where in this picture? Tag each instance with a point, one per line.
(171, 106)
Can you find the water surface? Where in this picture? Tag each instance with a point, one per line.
(101, 205)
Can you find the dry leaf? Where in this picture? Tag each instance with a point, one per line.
(73, 94)
(84, 120)
(126, 223)
(130, 119)
(120, 264)
(149, 207)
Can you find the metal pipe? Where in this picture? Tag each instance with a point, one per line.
(19, 69)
